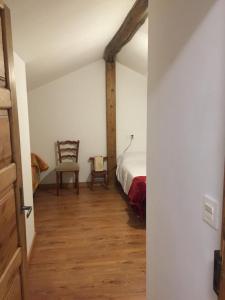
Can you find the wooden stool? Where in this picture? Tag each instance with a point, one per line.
(98, 176)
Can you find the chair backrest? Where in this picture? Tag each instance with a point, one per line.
(68, 150)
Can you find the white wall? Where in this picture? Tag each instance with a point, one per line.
(20, 75)
(73, 107)
(131, 109)
(186, 129)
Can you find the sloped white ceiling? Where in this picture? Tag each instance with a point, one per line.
(134, 55)
(56, 37)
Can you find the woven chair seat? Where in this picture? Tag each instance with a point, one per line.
(67, 167)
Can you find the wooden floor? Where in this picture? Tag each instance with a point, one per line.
(88, 247)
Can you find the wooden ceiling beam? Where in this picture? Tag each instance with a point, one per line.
(134, 20)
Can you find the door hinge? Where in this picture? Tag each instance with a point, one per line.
(217, 271)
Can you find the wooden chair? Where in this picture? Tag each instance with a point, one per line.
(67, 162)
(96, 176)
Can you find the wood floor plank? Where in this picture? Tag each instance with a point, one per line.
(88, 247)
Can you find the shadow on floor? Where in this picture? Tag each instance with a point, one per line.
(135, 220)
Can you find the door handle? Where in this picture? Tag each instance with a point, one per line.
(217, 271)
(24, 207)
(28, 209)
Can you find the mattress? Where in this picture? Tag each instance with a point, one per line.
(129, 166)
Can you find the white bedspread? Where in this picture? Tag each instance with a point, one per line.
(129, 166)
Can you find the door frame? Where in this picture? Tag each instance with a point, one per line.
(15, 139)
(222, 275)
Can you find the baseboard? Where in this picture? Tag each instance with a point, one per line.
(48, 186)
(31, 249)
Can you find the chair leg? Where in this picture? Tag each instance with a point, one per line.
(57, 183)
(61, 180)
(77, 182)
(106, 181)
(92, 182)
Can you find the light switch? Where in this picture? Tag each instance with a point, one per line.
(210, 211)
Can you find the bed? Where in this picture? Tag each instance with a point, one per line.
(131, 174)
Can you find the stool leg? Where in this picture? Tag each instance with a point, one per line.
(92, 182)
(106, 180)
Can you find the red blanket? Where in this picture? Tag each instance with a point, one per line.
(137, 194)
